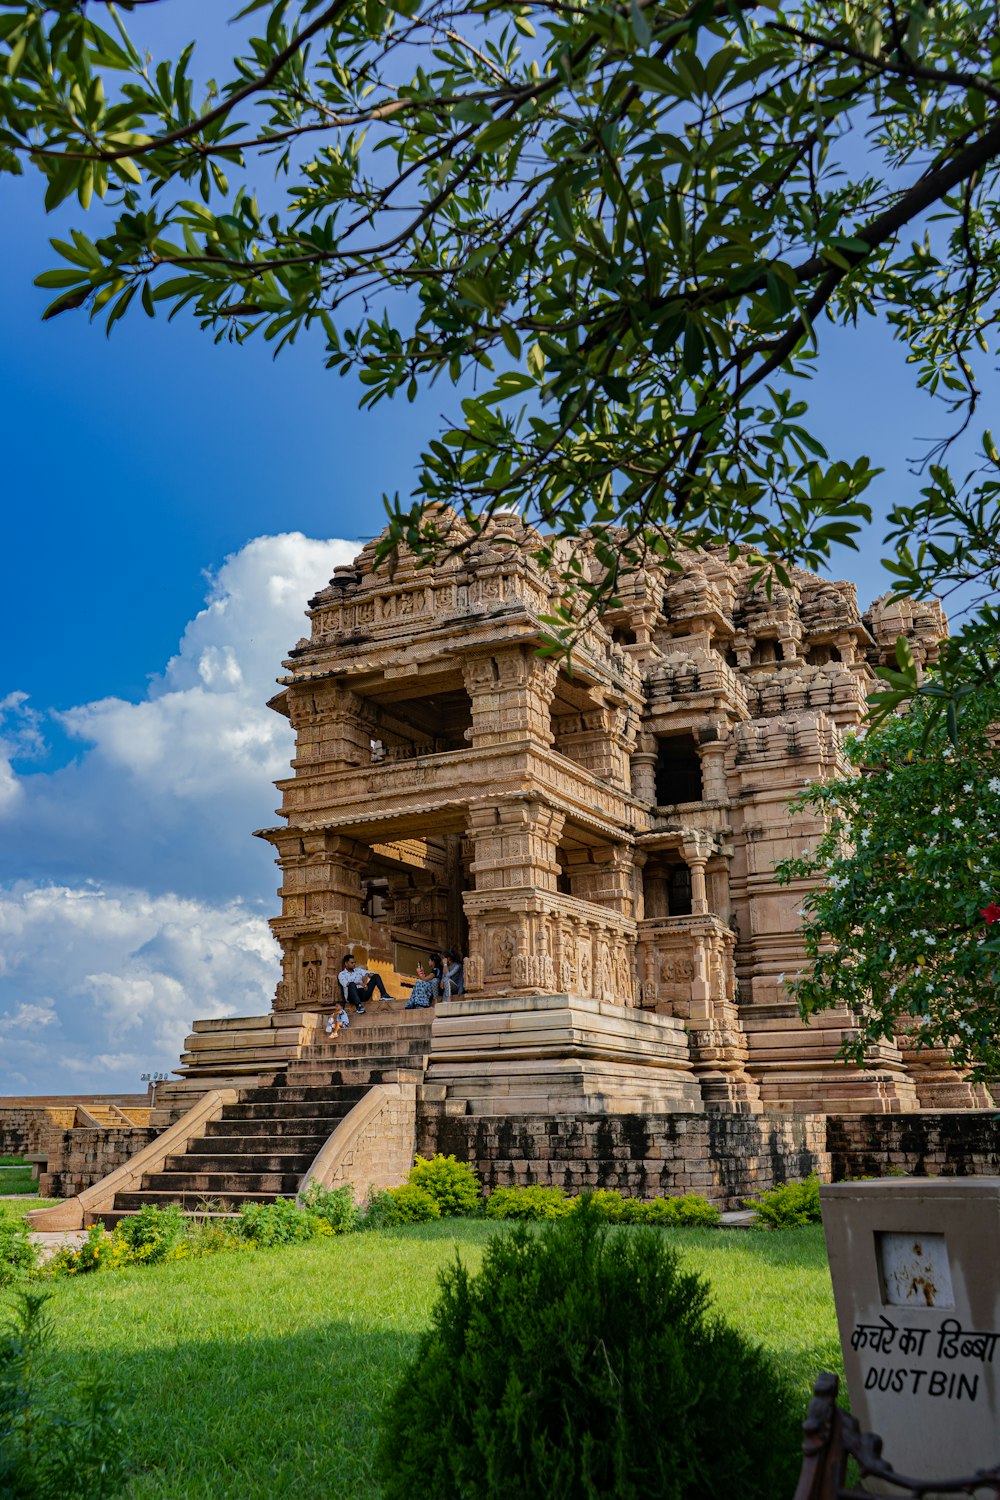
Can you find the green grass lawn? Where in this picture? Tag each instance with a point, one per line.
(18, 1208)
(261, 1374)
(16, 1176)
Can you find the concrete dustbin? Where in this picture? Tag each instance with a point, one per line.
(916, 1278)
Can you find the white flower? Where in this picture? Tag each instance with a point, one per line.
(957, 823)
(911, 851)
(994, 784)
(967, 787)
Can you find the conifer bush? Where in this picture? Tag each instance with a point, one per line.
(57, 1442)
(581, 1362)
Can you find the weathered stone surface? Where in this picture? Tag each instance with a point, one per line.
(604, 828)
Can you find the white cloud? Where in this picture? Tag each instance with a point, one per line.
(130, 972)
(167, 790)
(132, 897)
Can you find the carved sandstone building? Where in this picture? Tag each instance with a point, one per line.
(598, 836)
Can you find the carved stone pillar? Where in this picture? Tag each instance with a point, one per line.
(511, 693)
(603, 875)
(599, 739)
(712, 751)
(333, 727)
(512, 927)
(514, 844)
(643, 770)
(321, 913)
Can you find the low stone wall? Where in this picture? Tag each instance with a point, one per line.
(373, 1147)
(77, 1159)
(963, 1143)
(23, 1127)
(723, 1157)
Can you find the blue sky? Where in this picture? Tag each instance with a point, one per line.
(169, 505)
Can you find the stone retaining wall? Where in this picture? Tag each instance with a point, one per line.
(723, 1157)
(375, 1146)
(965, 1143)
(78, 1159)
(22, 1128)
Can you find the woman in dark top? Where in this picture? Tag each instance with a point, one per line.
(453, 982)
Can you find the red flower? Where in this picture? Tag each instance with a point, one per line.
(991, 912)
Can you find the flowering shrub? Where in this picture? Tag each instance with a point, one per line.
(335, 1206)
(17, 1254)
(902, 930)
(454, 1185)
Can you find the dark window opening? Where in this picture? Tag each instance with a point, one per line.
(678, 771)
(819, 656)
(433, 724)
(679, 891)
(765, 654)
(623, 637)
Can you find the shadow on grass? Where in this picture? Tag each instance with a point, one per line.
(289, 1416)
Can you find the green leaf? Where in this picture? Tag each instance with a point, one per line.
(640, 26)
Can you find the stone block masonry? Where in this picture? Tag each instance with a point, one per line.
(965, 1143)
(373, 1148)
(725, 1158)
(77, 1159)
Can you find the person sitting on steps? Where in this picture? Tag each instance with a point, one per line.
(453, 982)
(359, 984)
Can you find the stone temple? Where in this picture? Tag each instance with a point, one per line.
(598, 836)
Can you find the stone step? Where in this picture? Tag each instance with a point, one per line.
(333, 1093)
(288, 1113)
(208, 1184)
(191, 1202)
(237, 1162)
(267, 1124)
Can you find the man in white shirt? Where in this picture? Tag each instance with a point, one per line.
(359, 984)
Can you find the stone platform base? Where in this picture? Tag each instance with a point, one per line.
(557, 1055)
(725, 1158)
(234, 1052)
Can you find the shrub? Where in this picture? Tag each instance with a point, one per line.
(282, 1222)
(528, 1203)
(687, 1210)
(788, 1206)
(610, 1206)
(151, 1233)
(334, 1206)
(55, 1443)
(408, 1204)
(18, 1256)
(584, 1363)
(454, 1185)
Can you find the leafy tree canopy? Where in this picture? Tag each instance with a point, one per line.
(904, 930)
(629, 222)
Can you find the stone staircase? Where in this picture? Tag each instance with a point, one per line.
(263, 1144)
